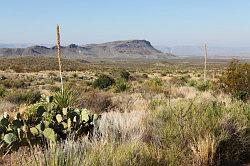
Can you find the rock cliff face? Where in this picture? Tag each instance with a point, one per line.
(134, 49)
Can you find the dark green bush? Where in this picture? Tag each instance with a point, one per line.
(185, 78)
(125, 75)
(103, 81)
(144, 75)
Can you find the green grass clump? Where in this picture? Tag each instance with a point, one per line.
(192, 83)
(121, 85)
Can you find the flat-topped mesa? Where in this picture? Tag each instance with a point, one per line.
(128, 49)
(141, 47)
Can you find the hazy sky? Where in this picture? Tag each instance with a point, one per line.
(163, 22)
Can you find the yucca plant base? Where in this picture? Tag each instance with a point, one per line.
(44, 123)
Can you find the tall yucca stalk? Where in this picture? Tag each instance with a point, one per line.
(59, 54)
(205, 63)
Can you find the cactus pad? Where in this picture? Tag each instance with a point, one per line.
(10, 138)
(34, 131)
(49, 133)
(59, 118)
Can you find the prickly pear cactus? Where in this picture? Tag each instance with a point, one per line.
(59, 118)
(84, 115)
(16, 124)
(34, 131)
(10, 138)
(69, 123)
(65, 111)
(4, 121)
(45, 120)
(50, 134)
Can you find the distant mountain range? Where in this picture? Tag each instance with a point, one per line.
(135, 49)
(213, 52)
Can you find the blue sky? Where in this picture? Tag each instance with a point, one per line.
(163, 22)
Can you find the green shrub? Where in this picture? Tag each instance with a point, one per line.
(200, 85)
(153, 85)
(192, 83)
(144, 76)
(121, 85)
(103, 81)
(157, 81)
(236, 80)
(203, 86)
(185, 78)
(125, 75)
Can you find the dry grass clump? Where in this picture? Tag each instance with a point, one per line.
(121, 127)
(6, 106)
(183, 92)
(203, 151)
(96, 101)
(127, 102)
